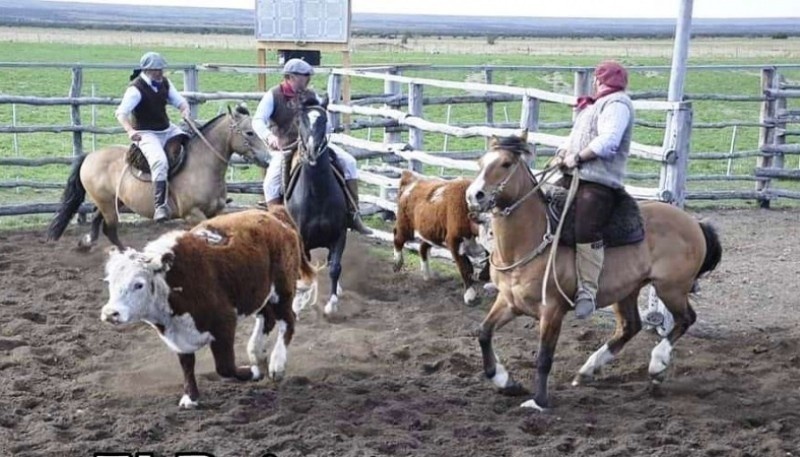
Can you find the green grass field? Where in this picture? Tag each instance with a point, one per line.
(55, 82)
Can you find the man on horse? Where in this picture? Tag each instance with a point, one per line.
(274, 123)
(143, 115)
(598, 145)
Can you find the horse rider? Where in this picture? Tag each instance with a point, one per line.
(143, 115)
(274, 123)
(598, 145)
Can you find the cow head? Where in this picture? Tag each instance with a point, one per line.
(137, 287)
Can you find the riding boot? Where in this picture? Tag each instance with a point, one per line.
(353, 215)
(588, 264)
(162, 212)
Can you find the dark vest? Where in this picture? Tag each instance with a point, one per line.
(151, 112)
(281, 123)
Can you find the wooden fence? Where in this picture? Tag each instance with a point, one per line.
(383, 111)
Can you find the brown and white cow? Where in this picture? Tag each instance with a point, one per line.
(436, 209)
(193, 286)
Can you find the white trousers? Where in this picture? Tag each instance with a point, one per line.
(152, 146)
(273, 181)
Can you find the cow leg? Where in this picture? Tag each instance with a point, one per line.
(225, 361)
(334, 272)
(190, 391)
(424, 255)
(465, 270)
(285, 323)
(265, 321)
(399, 243)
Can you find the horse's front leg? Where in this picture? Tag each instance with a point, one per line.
(500, 314)
(549, 331)
(335, 254)
(194, 216)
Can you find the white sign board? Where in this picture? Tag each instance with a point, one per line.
(313, 21)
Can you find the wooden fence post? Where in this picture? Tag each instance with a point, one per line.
(487, 77)
(582, 85)
(766, 135)
(75, 112)
(392, 134)
(334, 97)
(530, 117)
(415, 134)
(677, 142)
(190, 77)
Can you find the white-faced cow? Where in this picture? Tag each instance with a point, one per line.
(436, 209)
(192, 286)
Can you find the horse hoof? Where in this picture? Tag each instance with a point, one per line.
(533, 404)
(187, 403)
(276, 376)
(514, 389)
(471, 297)
(581, 379)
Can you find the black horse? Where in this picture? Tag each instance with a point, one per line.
(315, 197)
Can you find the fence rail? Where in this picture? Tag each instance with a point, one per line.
(401, 109)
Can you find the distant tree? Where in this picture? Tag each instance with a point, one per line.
(406, 36)
(490, 39)
(780, 36)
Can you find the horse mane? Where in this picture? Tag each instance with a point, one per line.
(513, 144)
(239, 109)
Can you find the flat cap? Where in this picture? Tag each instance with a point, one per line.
(152, 61)
(298, 67)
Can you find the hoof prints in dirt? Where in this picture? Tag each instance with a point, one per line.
(401, 374)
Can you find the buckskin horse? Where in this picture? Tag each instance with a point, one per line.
(198, 191)
(315, 197)
(676, 250)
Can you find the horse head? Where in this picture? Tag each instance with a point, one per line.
(502, 178)
(243, 139)
(312, 129)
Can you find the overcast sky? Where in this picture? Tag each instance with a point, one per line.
(540, 8)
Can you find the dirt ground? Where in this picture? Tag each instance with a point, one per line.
(400, 372)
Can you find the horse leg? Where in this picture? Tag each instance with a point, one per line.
(285, 322)
(110, 222)
(464, 266)
(677, 302)
(90, 238)
(628, 325)
(424, 255)
(334, 272)
(500, 315)
(549, 331)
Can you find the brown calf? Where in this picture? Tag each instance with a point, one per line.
(437, 210)
(193, 286)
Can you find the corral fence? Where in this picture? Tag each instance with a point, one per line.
(398, 111)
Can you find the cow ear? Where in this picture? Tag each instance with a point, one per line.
(493, 142)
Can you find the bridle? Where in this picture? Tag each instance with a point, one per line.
(233, 127)
(501, 186)
(307, 153)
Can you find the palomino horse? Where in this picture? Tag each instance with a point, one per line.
(315, 198)
(198, 191)
(675, 252)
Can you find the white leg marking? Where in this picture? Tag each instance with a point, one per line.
(257, 344)
(595, 361)
(425, 268)
(398, 259)
(532, 404)
(470, 295)
(257, 375)
(277, 361)
(501, 377)
(332, 306)
(490, 289)
(659, 359)
(87, 239)
(273, 296)
(187, 403)
(339, 288)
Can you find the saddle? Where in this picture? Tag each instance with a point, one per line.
(176, 157)
(291, 173)
(625, 227)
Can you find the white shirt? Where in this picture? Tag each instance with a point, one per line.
(132, 97)
(263, 113)
(611, 125)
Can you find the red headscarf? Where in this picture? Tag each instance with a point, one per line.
(612, 75)
(287, 89)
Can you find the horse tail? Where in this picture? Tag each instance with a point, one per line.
(71, 200)
(713, 249)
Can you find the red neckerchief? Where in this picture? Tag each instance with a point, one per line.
(287, 90)
(585, 101)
